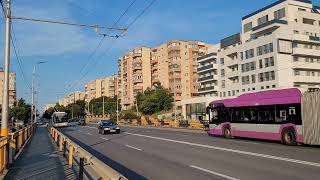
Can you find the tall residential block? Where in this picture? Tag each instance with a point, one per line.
(101, 87)
(279, 47)
(134, 74)
(12, 87)
(71, 98)
(172, 64)
(175, 67)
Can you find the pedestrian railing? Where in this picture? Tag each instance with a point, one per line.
(82, 161)
(11, 146)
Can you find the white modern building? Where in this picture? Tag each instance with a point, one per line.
(279, 47)
(208, 73)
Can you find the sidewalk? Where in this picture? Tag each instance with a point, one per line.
(40, 160)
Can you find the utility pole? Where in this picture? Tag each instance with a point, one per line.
(117, 109)
(32, 95)
(137, 106)
(5, 102)
(103, 106)
(174, 92)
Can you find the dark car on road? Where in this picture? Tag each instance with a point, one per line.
(106, 127)
(82, 122)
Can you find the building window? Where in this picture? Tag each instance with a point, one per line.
(247, 27)
(222, 61)
(279, 14)
(263, 20)
(273, 86)
(267, 48)
(308, 21)
(308, 73)
(260, 64)
(223, 73)
(297, 73)
(253, 78)
(249, 53)
(223, 83)
(262, 87)
(295, 59)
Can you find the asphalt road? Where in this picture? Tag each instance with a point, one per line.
(157, 154)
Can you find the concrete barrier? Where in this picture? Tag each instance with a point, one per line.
(94, 168)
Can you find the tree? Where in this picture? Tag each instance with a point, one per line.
(110, 106)
(21, 111)
(154, 100)
(48, 113)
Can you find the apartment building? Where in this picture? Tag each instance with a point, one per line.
(71, 98)
(135, 74)
(279, 47)
(208, 73)
(208, 79)
(101, 87)
(174, 65)
(48, 106)
(12, 87)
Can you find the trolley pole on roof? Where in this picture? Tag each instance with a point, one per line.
(5, 99)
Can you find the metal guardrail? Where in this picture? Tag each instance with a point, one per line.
(11, 146)
(85, 163)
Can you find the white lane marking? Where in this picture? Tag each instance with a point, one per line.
(232, 150)
(104, 138)
(134, 148)
(89, 134)
(214, 173)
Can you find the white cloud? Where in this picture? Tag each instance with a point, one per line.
(41, 39)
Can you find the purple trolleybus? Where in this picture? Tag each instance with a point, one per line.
(282, 115)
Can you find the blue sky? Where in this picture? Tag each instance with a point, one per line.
(67, 49)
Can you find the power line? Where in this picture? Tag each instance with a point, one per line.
(104, 35)
(141, 13)
(68, 23)
(13, 40)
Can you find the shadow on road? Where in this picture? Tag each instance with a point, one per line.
(110, 162)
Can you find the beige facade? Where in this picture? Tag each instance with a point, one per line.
(173, 65)
(48, 106)
(279, 47)
(12, 87)
(135, 74)
(101, 87)
(72, 98)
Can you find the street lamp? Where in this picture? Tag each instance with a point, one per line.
(34, 106)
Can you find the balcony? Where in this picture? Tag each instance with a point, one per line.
(205, 68)
(270, 25)
(154, 67)
(206, 89)
(174, 48)
(154, 61)
(306, 52)
(135, 55)
(232, 74)
(137, 88)
(175, 76)
(135, 81)
(305, 65)
(206, 78)
(136, 67)
(307, 79)
(175, 69)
